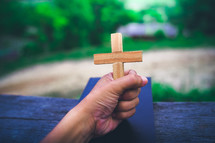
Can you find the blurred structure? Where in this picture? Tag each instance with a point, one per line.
(148, 30)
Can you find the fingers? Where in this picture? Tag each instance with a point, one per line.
(125, 109)
(124, 106)
(130, 94)
(132, 76)
(118, 87)
(130, 81)
(124, 115)
(144, 79)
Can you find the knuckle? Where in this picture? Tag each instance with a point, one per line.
(133, 78)
(108, 77)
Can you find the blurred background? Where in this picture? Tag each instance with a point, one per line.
(47, 46)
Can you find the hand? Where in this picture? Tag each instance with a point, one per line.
(112, 101)
(100, 112)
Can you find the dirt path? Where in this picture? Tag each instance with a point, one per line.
(183, 69)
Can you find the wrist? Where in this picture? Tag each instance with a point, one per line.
(82, 123)
(77, 126)
(86, 119)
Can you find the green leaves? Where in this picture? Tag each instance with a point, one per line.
(48, 12)
(109, 15)
(63, 24)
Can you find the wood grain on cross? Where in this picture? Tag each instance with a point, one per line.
(117, 57)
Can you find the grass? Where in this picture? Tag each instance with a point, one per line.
(166, 93)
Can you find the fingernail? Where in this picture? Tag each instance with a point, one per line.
(145, 80)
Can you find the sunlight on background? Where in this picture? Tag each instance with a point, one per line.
(140, 4)
(47, 46)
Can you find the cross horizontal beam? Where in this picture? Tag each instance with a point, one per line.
(109, 58)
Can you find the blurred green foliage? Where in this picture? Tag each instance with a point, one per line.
(159, 35)
(195, 16)
(152, 15)
(57, 25)
(62, 25)
(13, 19)
(162, 92)
(109, 15)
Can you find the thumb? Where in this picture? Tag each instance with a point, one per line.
(130, 81)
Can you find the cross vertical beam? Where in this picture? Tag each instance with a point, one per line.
(116, 44)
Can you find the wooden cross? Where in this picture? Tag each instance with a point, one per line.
(117, 57)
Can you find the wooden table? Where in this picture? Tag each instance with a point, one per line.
(29, 119)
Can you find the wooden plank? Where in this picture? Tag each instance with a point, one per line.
(29, 119)
(116, 42)
(184, 122)
(118, 70)
(110, 58)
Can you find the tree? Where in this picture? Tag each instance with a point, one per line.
(109, 15)
(194, 15)
(13, 18)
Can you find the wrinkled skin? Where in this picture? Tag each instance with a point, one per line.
(113, 103)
